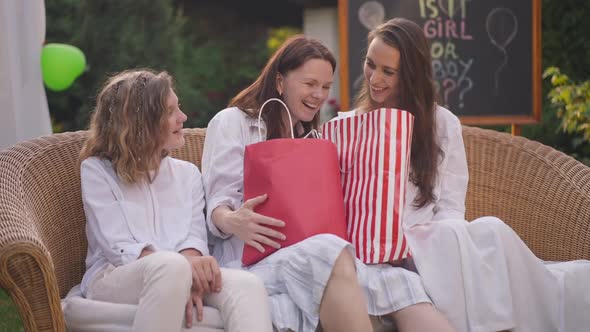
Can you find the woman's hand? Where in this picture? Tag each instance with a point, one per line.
(206, 274)
(206, 277)
(145, 251)
(249, 226)
(195, 299)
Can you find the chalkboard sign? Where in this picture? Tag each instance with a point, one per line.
(486, 55)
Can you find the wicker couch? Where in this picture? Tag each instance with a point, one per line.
(542, 193)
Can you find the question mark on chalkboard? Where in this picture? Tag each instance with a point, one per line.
(467, 87)
(451, 87)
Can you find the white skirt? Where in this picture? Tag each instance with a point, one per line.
(295, 278)
(483, 277)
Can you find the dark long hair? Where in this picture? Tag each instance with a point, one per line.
(416, 95)
(294, 52)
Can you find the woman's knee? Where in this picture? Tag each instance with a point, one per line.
(345, 265)
(496, 225)
(169, 265)
(451, 225)
(238, 280)
(241, 290)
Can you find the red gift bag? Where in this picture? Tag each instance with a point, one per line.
(374, 150)
(302, 180)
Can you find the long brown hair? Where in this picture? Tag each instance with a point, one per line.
(294, 52)
(128, 123)
(416, 95)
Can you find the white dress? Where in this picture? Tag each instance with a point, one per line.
(480, 274)
(296, 276)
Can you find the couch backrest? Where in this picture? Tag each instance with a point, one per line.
(542, 193)
(40, 197)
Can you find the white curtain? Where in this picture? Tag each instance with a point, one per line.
(23, 105)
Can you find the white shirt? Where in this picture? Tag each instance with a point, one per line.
(123, 219)
(451, 183)
(228, 133)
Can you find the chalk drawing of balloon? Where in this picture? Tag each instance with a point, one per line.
(371, 14)
(464, 89)
(502, 26)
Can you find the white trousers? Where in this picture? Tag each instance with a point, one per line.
(159, 284)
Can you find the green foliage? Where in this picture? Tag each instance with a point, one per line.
(214, 52)
(116, 35)
(9, 317)
(566, 42)
(277, 37)
(572, 104)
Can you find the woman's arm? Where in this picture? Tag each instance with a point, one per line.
(453, 174)
(146, 251)
(106, 224)
(222, 164)
(197, 236)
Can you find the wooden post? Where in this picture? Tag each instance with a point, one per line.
(343, 61)
(516, 130)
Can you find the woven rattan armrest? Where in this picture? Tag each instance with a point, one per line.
(542, 193)
(27, 270)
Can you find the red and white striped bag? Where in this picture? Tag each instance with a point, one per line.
(374, 150)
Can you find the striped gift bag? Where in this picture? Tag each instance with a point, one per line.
(374, 151)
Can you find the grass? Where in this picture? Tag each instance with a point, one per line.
(9, 319)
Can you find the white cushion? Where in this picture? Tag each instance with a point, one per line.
(86, 315)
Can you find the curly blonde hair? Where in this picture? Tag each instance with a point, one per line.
(128, 124)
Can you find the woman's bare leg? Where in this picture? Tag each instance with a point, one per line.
(343, 306)
(421, 317)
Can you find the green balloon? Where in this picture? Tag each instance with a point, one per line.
(61, 64)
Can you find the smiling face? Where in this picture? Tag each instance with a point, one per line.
(306, 88)
(381, 70)
(173, 138)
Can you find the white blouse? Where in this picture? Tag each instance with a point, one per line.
(231, 130)
(228, 133)
(123, 219)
